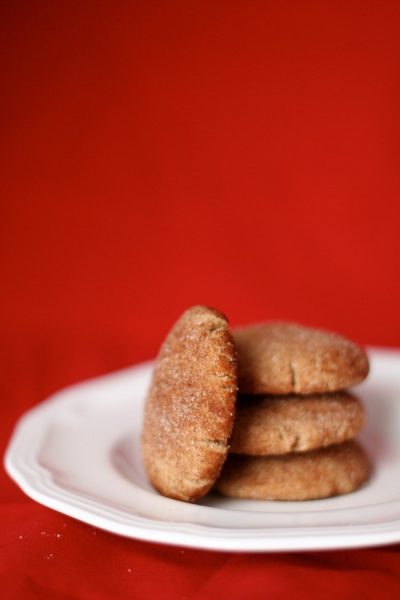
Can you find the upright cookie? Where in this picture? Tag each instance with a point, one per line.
(305, 476)
(270, 425)
(284, 358)
(190, 406)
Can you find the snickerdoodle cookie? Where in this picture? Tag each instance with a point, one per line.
(304, 476)
(190, 406)
(285, 358)
(269, 425)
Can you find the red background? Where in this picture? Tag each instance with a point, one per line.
(155, 155)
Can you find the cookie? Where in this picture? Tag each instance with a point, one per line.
(190, 406)
(305, 476)
(269, 425)
(284, 358)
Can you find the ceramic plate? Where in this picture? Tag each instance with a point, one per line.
(79, 453)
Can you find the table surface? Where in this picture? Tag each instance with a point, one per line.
(159, 155)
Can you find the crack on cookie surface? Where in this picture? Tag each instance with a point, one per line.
(293, 377)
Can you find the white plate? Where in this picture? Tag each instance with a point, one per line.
(78, 453)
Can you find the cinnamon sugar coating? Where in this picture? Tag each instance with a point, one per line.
(310, 475)
(190, 407)
(285, 358)
(271, 425)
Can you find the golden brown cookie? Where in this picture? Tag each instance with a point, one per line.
(270, 425)
(284, 358)
(190, 406)
(305, 476)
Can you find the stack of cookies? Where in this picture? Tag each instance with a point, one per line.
(293, 436)
(271, 395)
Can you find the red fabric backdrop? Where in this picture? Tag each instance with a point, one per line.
(160, 154)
